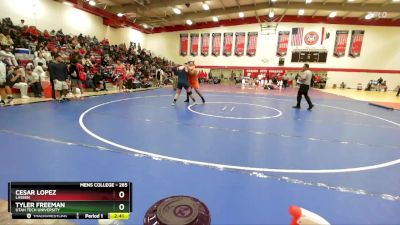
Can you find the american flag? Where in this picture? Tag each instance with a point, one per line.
(297, 36)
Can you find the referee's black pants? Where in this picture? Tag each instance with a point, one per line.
(303, 90)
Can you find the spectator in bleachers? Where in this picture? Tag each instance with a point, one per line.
(45, 53)
(5, 39)
(29, 66)
(17, 80)
(144, 69)
(5, 54)
(3, 80)
(75, 72)
(39, 70)
(40, 59)
(100, 81)
(89, 80)
(86, 62)
(119, 75)
(106, 60)
(33, 80)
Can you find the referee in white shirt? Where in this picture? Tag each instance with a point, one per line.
(305, 82)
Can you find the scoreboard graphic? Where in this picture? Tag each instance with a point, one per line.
(70, 200)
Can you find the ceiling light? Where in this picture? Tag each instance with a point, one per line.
(332, 14)
(177, 11)
(301, 12)
(189, 22)
(271, 14)
(369, 16)
(215, 19)
(396, 0)
(145, 26)
(350, 0)
(120, 14)
(308, 1)
(273, 0)
(206, 6)
(92, 3)
(241, 14)
(68, 3)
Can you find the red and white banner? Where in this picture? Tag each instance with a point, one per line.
(205, 44)
(356, 41)
(216, 44)
(283, 41)
(253, 73)
(184, 41)
(340, 43)
(239, 43)
(251, 43)
(228, 44)
(194, 44)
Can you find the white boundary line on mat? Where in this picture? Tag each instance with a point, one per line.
(233, 117)
(232, 167)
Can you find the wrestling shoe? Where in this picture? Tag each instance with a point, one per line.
(9, 100)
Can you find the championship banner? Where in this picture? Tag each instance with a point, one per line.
(283, 41)
(239, 43)
(251, 43)
(205, 44)
(228, 40)
(194, 44)
(340, 43)
(356, 41)
(253, 73)
(216, 44)
(183, 44)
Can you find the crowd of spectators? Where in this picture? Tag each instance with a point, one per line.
(270, 81)
(72, 63)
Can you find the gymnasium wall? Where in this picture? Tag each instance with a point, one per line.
(380, 51)
(48, 14)
(124, 35)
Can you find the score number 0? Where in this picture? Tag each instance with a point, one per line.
(121, 195)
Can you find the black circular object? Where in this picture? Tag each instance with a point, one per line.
(178, 210)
